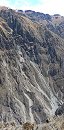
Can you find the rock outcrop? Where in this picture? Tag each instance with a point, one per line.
(31, 69)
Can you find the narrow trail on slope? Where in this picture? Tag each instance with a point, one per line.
(42, 80)
(53, 100)
(30, 104)
(23, 108)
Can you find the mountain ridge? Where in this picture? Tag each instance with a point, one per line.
(31, 68)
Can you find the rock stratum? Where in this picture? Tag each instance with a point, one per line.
(31, 66)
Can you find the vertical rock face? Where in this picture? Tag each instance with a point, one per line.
(31, 68)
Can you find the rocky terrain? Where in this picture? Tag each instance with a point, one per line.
(31, 67)
(54, 23)
(55, 123)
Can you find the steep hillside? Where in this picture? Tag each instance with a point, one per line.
(55, 123)
(54, 23)
(31, 69)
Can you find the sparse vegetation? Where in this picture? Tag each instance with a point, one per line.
(28, 126)
(31, 70)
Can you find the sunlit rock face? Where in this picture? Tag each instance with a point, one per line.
(31, 68)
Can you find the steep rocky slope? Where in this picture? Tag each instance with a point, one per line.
(55, 123)
(31, 69)
(54, 23)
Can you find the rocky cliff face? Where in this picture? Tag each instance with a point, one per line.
(54, 23)
(31, 68)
